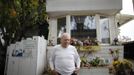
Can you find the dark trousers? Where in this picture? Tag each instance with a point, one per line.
(71, 74)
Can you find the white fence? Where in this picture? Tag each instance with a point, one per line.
(27, 57)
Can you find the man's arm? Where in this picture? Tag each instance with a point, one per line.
(51, 59)
(77, 61)
(51, 62)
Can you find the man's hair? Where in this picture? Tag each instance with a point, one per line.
(65, 35)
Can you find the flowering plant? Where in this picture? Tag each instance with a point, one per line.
(123, 67)
(114, 53)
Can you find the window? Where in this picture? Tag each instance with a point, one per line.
(83, 27)
(104, 27)
(61, 27)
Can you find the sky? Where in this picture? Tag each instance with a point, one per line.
(128, 28)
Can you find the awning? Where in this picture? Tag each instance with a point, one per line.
(123, 18)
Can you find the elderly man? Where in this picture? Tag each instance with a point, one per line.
(65, 59)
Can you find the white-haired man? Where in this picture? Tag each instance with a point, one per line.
(65, 59)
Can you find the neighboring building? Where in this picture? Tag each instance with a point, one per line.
(129, 50)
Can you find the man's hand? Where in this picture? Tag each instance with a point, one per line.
(54, 72)
(76, 70)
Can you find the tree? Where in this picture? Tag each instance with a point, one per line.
(20, 19)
